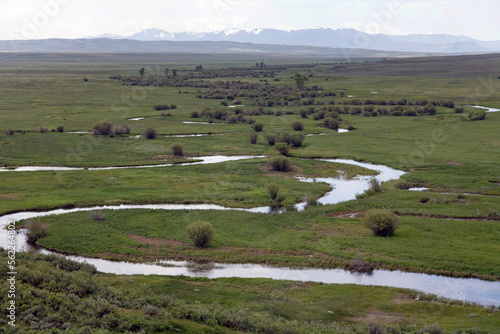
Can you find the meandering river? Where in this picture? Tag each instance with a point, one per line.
(467, 290)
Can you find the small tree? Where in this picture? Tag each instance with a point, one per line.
(150, 133)
(102, 128)
(141, 71)
(282, 148)
(200, 233)
(174, 73)
(198, 68)
(300, 80)
(177, 150)
(383, 223)
(166, 72)
(60, 128)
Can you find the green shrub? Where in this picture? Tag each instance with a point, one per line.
(477, 115)
(121, 130)
(424, 199)
(257, 127)
(150, 133)
(298, 126)
(331, 123)
(270, 138)
(9, 132)
(297, 140)
(252, 137)
(282, 148)
(250, 121)
(459, 110)
(177, 150)
(280, 163)
(200, 233)
(194, 114)
(35, 231)
(231, 119)
(383, 223)
(273, 190)
(42, 129)
(102, 128)
(375, 185)
(60, 128)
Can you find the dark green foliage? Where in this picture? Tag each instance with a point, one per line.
(383, 223)
(280, 163)
(282, 148)
(200, 233)
(270, 138)
(194, 114)
(477, 115)
(103, 128)
(42, 129)
(375, 185)
(35, 231)
(459, 110)
(150, 133)
(403, 185)
(298, 126)
(60, 128)
(9, 132)
(161, 107)
(331, 123)
(177, 150)
(424, 199)
(297, 140)
(252, 137)
(257, 127)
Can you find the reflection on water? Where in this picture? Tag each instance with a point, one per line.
(487, 108)
(470, 290)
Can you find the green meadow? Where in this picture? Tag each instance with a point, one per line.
(449, 229)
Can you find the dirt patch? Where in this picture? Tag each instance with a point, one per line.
(156, 242)
(377, 316)
(9, 197)
(402, 299)
(347, 214)
(454, 163)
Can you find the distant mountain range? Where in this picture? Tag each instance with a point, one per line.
(326, 37)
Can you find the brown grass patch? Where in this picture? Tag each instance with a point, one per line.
(156, 242)
(454, 163)
(377, 316)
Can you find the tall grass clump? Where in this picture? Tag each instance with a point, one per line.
(273, 191)
(177, 150)
(200, 233)
(280, 163)
(102, 128)
(150, 133)
(383, 223)
(35, 231)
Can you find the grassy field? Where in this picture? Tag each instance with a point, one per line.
(450, 229)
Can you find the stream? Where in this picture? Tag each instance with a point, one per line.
(467, 290)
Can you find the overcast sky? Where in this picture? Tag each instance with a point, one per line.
(36, 19)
